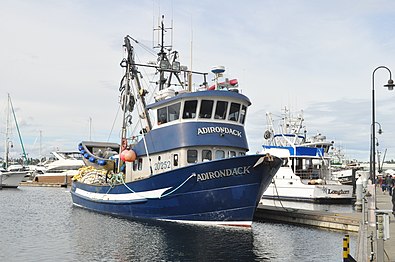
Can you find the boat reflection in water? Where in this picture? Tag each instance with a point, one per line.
(159, 241)
(150, 240)
(48, 228)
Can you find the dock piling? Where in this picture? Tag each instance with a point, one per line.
(346, 250)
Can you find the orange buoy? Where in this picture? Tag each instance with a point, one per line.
(128, 155)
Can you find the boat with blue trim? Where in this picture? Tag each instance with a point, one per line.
(305, 174)
(188, 160)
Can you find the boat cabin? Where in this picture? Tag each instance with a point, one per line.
(308, 163)
(191, 128)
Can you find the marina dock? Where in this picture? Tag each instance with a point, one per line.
(43, 184)
(361, 222)
(349, 222)
(369, 236)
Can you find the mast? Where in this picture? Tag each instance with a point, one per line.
(127, 97)
(19, 132)
(163, 61)
(133, 73)
(166, 65)
(10, 109)
(7, 139)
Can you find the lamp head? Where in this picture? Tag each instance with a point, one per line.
(380, 131)
(390, 84)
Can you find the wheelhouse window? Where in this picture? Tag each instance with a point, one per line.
(162, 115)
(219, 154)
(207, 155)
(206, 109)
(234, 112)
(243, 114)
(232, 153)
(174, 112)
(220, 110)
(192, 156)
(169, 113)
(189, 109)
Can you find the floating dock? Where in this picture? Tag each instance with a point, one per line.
(43, 184)
(348, 222)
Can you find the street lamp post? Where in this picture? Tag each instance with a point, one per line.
(372, 140)
(390, 85)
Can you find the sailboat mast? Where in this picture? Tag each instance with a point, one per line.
(7, 130)
(19, 132)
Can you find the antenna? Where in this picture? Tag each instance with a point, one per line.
(218, 72)
(190, 73)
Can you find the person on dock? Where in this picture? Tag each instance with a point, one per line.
(383, 184)
(393, 199)
(389, 183)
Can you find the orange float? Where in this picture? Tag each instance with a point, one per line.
(128, 155)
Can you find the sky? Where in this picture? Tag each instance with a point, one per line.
(59, 61)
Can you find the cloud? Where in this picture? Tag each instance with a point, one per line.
(60, 62)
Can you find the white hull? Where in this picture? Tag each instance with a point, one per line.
(306, 171)
(287, 186)
(55, 177)
(12, 179)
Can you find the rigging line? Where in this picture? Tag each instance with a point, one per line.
(146, 48)
(149, 83)
(281, 202)
(186, 180)
(142, 129)
(113, 124)
(165, 195)
(17, 128)
(134, 130)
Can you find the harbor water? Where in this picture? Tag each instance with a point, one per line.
(41, 224)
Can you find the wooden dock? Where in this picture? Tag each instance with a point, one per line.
(348, 222)
(43, 184)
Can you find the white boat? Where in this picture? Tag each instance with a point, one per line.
(59, 168)
(305, 174)
(11, 179)
(11, 175)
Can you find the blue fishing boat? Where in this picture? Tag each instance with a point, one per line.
(188, 162)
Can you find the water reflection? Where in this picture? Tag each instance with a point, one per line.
(119, 239)
(41, 224)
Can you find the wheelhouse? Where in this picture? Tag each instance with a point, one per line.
(219, 116)
(212, 109)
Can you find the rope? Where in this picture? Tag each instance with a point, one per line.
(119, 178)
(193, 175)
(281, 203)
